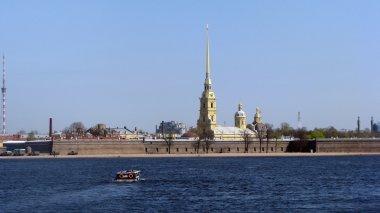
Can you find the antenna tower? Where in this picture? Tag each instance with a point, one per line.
(3, 91)
(299, 124)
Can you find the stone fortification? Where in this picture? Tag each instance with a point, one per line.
(89, 147)
(348, 145)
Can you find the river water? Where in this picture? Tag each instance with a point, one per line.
(227, 184)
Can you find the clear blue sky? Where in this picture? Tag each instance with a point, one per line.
(136, 63)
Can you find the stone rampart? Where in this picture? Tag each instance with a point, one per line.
(348, 145)
(89, 147)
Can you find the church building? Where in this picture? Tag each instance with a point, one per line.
(207, 112)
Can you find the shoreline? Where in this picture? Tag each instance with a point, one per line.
(289, 154)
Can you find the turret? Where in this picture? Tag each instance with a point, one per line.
(240, 118)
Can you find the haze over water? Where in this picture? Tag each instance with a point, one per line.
(229, 184)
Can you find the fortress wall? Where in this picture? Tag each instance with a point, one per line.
(98, 147)
(159, 147)
(188, 147)
(348, 146)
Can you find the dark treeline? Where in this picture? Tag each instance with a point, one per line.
(303, 134)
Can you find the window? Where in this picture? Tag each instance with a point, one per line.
(186, 149)
(177, 149)
(271, 149)
(157, 149)
(254, 149)
(146, 149)
(167, 149)
(237, 149)
(204, 119)
(204, 105)
(212, 105)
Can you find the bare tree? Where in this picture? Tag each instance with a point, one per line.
(247, 137)
(168, 135)
(286, 129)
(269, 132)
(169, 139)
(261, 132)
(75, 129)
(32, 135)
(208, 139)
(197, 144)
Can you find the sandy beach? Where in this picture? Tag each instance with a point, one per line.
(294, 154)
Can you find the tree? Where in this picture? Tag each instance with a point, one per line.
(197, 143)
(21, 132)
(32, 135)
(169, 139)
(168, 136)
(269, 132)
(208, 138)
(261, 132)
(331, 132)
(247, 137)
(316, 133)
(75, 129)
(301, 133)
(366, 133)
(286, 129)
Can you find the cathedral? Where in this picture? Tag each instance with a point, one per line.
(207, 112)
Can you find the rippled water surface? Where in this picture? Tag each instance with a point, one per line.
(241, 184)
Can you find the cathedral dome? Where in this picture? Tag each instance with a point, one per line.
(240, 113)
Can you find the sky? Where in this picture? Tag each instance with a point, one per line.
(137, 63)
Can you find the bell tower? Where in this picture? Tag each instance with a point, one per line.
(207, 112)
(240, 118)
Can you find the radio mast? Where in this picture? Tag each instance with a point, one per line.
(3, 91)
(299, 124)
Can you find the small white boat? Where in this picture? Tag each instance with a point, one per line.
(128, 176)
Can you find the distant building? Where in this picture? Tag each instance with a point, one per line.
(124, 133)
(376, 129)
(172, 127)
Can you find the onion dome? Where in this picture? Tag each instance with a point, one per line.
(240, 113)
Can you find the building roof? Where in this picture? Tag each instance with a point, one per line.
(224, 130)
(189, 135)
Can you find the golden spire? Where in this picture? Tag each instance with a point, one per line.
(208, 80)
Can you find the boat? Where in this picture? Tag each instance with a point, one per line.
(128, 176)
